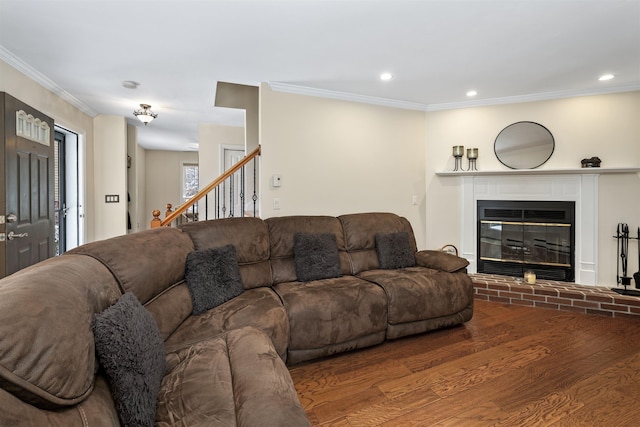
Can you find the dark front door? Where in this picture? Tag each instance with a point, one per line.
(28, 151)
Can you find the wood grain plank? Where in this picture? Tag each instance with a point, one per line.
(509, 365)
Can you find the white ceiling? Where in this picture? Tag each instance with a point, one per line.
(177, 50)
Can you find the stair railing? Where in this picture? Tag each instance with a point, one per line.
(223, 189)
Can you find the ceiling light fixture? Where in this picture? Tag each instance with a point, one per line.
(145, 114)
(130, 84)
(386, 77)
(472, 93)
(605, 77)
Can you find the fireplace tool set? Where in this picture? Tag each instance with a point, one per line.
(622, 237)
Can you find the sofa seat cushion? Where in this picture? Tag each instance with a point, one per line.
(330, 311)
(418, 293)
(198, 387)
(235, 378)
(259, 307)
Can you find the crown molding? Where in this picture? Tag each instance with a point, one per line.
(35, 75)
(345, 96)
(544, 96)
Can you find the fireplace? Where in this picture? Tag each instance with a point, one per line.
(515, 236)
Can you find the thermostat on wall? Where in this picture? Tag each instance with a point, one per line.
(277, 180)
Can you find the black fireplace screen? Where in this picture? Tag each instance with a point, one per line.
(526, 242)
(518, 236)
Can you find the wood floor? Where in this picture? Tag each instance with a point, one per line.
(509, 366)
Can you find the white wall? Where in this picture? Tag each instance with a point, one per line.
(606, 126)
(337, 157)
(110, 174)
(136, 182)
(246, 98)
(163, 171)
(211, 138)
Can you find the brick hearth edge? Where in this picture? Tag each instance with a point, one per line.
(555, 295)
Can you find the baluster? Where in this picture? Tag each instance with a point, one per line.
(217, 202)
(224, 200)
(255, 196)
(206, 207)
(242, 191)
(231, 190)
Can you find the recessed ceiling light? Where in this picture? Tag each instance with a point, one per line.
(472, 93)
(606, 77)
(386, 76)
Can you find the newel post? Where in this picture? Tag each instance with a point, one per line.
(156, 221)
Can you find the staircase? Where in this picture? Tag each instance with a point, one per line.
(232, 194)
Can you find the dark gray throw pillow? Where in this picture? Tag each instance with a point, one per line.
(213, 277)
(131, 351)
(394, 250)
(316, 256)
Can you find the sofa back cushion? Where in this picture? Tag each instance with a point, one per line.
(282, 231)
(144, 263)
(360, 232)
(171, 308)
(47, 355)
(249, 237)
(149, 264)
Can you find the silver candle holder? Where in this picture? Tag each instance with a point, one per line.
(458, 152)
(472, 155)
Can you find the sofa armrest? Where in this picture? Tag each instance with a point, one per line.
(442, 261)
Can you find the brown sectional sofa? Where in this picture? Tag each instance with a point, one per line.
(227, 366)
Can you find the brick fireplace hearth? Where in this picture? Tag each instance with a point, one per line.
(555, 295)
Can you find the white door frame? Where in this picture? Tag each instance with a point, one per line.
(75, 188)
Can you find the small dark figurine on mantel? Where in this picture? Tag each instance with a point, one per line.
(593, 162)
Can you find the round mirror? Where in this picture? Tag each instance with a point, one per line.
(524, 145)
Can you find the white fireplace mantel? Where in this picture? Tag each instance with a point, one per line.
(597, 171)
(579, 188)
(577, 185)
